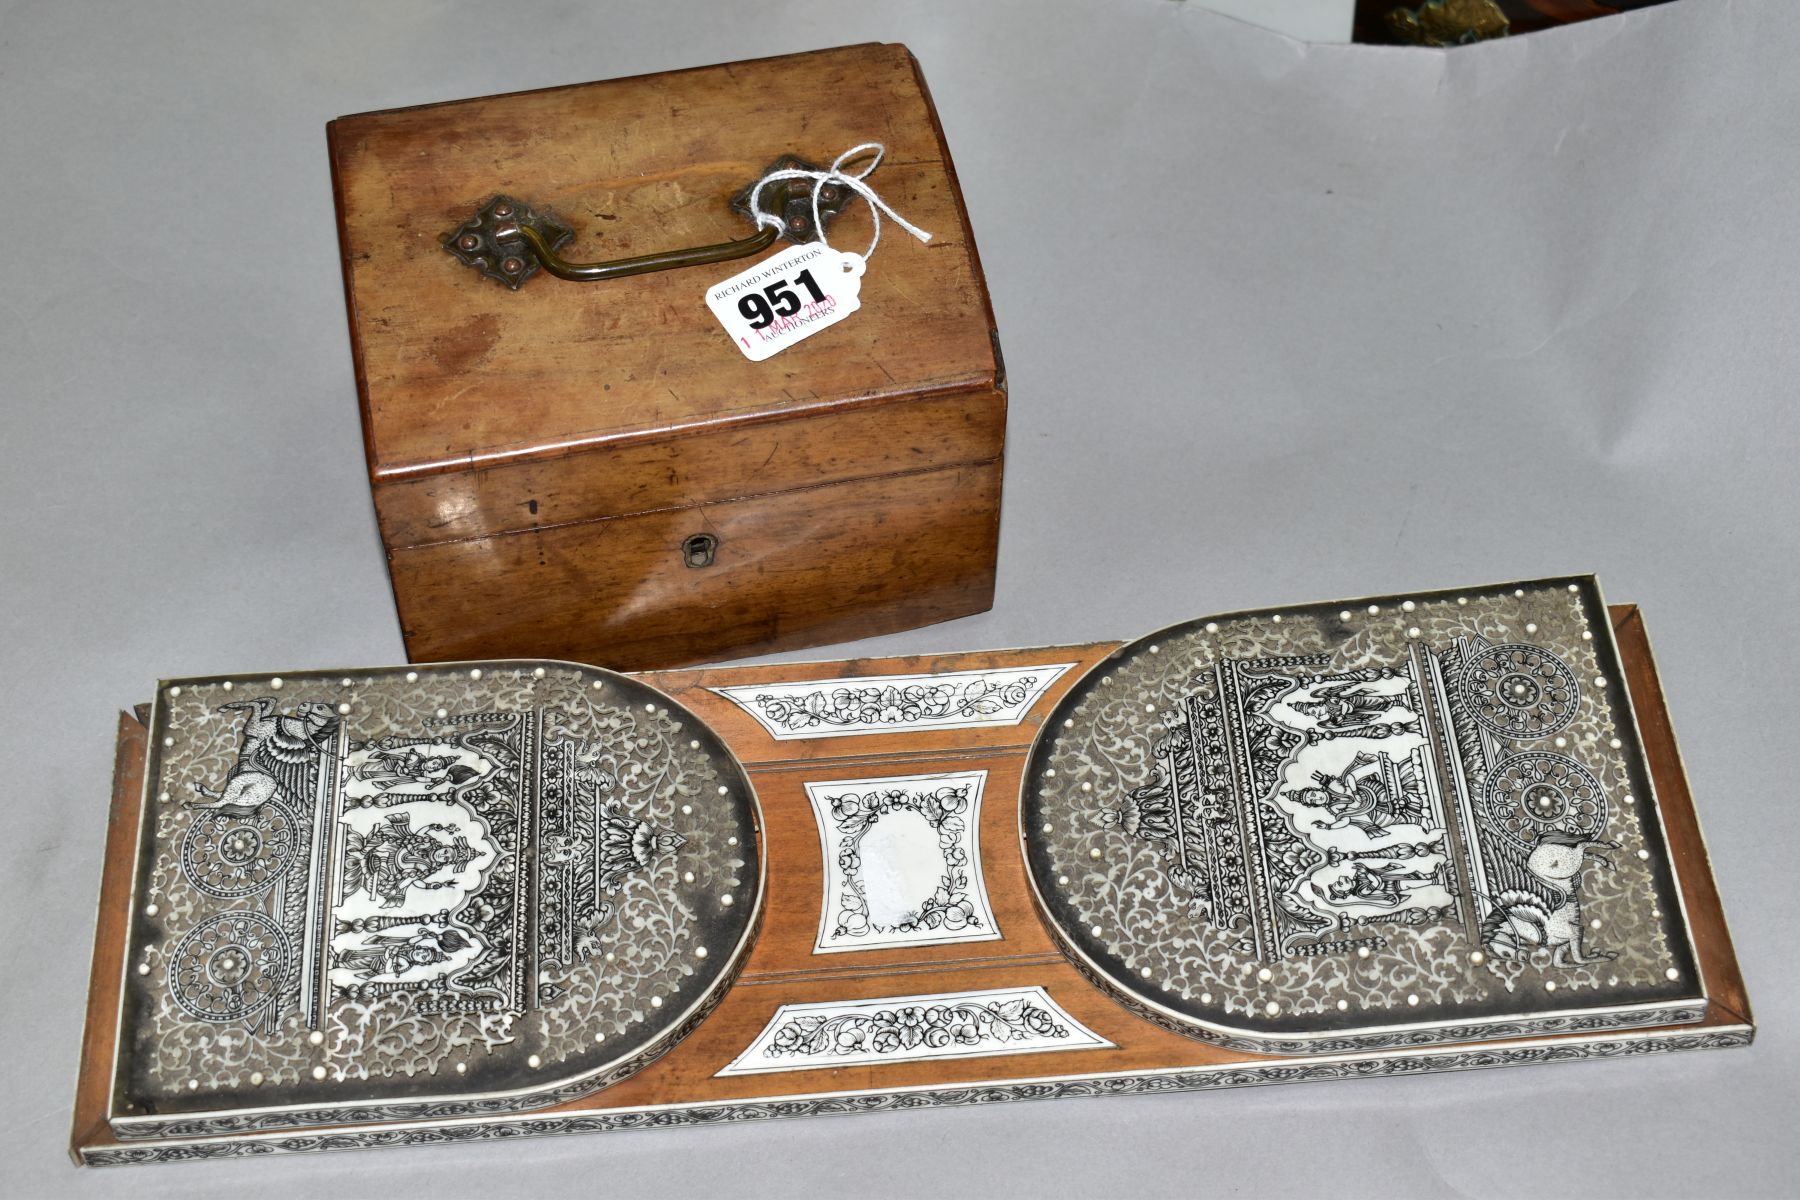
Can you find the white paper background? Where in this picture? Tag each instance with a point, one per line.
(1282, 323)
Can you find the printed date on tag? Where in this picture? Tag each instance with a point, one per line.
(787, 298)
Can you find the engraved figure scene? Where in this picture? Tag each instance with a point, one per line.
(1360, 793)
(1301, 808)
(1291, 803)
(427, 886)
(248, 844)
(391, 863)
(276, 751)
(420, 841)
(407, 887)
(1540, 816)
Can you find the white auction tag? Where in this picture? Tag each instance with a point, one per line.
(787, 298)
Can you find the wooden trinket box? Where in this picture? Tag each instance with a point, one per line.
(591, 470)
(492, 900)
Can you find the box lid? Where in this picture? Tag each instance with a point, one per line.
(457, 370)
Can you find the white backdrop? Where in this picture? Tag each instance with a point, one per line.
(1282, 323)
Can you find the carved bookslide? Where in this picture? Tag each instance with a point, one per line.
(1398, 822)
(468, 901)
(398, 895)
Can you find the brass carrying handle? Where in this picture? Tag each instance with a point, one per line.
(508, 241)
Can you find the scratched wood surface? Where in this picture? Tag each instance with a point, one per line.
(539, 457)
(783, 969)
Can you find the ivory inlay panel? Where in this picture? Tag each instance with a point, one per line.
(821, 708)
(1022, 1020)
(902, 860)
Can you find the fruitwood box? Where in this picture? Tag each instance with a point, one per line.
(592, 470)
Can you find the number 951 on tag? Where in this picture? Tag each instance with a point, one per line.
(787, 298)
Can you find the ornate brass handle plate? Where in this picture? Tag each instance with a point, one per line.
(509, 240)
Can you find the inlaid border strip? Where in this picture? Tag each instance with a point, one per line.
(1179, 1079)
(830, 708)
(979, 1024)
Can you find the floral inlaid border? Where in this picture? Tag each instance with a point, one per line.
(1021, 1020)
(821, 708)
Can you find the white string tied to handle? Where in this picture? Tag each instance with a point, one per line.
(836, 174)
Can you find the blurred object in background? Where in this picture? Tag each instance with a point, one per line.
(1460, 22)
